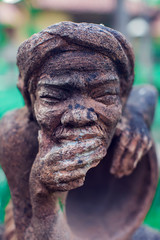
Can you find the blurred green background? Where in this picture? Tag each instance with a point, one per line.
(139, 20)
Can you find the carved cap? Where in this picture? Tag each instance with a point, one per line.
(65, 36)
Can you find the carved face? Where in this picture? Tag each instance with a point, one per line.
(77, 106)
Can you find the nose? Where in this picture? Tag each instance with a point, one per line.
(79, 116)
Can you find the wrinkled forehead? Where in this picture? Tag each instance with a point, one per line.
(76, 68)
(77, 61)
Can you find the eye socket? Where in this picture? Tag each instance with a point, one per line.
(103, 92)
(108, 100)
(107, 95)
(53, 96)
(49, 99)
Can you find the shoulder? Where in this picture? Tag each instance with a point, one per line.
(17, 134)
(15, 125)
(13, 120)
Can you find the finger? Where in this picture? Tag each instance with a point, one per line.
(132, 162)
(121, 126)
(147, 141)
(71, 172)
(69, 150)
(80, 160)
(119, 152)
(126, 162)
(132, 153)
(135, 150)
(68, 175)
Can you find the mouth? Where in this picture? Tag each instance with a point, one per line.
(80, 134)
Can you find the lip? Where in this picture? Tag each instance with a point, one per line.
(78, 134)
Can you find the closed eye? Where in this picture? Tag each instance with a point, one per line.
(108, 99)
(52, 95)
(56, 96)
(102, 92)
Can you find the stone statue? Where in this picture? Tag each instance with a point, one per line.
(79, 158)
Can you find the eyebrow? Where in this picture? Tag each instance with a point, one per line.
(106, 79)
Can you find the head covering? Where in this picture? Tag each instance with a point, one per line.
(67, 36)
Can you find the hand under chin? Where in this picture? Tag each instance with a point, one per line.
(64, 166)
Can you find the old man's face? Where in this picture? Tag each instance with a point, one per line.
(77, 106)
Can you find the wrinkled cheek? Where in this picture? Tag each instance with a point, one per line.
(110, 116)
(116, 116)
(48, 119)
(45, 142)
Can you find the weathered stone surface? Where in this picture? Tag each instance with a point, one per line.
(79, 157)
(146, 233)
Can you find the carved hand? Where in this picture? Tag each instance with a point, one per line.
(56, 170)
(64, 166)
(132, 141)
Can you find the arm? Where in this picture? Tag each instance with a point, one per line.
(48, 194)
(18, 148)
(142, 101)
(132, 137)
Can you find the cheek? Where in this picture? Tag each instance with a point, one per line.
(110, 114)
(48, 117)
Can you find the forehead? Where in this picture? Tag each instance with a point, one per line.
(78, 61)
(77, 69)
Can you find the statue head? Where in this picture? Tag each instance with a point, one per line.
(75, 79)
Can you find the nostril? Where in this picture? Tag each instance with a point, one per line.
(91, 115)
(79, 117)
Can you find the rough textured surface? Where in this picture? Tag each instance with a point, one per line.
(69, 36)
(82, 149)
(146, 233)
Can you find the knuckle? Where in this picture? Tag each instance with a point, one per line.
(145, 140)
